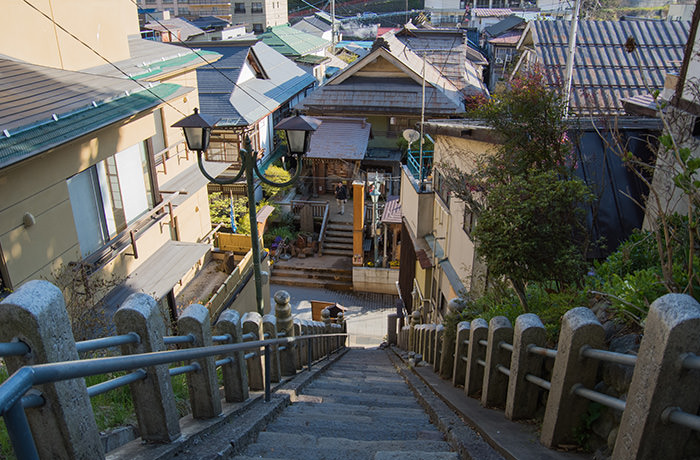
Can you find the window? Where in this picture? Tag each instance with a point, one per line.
(441, 187)
(223, 147)
(256, 7)
(110, 195)
(696, 127)
(469, 221)
(239, 8)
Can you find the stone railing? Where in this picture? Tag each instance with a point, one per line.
(510, 367)
(47, 394)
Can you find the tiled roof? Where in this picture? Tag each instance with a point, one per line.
(248, 101)
(604, 73)
(340, 138)
(491, 12)
(511, 37)
(180, 26)
(392, 211)
(35, 139)
(378, 95)
(292, 42)
(150, 59)
(447, 52)
(504, 26)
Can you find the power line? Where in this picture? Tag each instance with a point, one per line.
(195, 51)
(101, 56)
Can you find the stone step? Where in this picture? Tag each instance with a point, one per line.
(341, 226)
(362, 388)
(324, 409)
(312, 283)
(338, 239)
(339, 233)
(360, 432)
(338, 396)
(293, 265)
(313, 274)
(323, 447)
(337, 252)
(336, 245)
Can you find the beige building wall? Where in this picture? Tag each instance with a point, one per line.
(38, 187)
(102, 25)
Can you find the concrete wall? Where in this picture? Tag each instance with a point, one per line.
(103, 25)
(370, 279)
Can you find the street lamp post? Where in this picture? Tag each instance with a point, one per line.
(298, 130)
(374, 194)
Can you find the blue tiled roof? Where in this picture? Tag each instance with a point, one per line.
(247, 102)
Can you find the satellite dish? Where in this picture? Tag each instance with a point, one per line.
(411, 135)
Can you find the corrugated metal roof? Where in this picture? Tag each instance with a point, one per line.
(490, 12)
(150, 58)
(392, 210)
(312, 25)
(40, 138)
(511, 37)
(31, 94)
(292, 42)
(340, 138)
(248, 101)
(604, 73)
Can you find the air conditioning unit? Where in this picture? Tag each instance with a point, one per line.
(499, 61)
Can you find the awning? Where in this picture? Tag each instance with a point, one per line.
(160, 272)
(191, 180)
(392, 211)
(451, 275)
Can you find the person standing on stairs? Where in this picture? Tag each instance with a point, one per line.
(341, 195)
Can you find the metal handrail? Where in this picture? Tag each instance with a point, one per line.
(608, 356)
(13, 389)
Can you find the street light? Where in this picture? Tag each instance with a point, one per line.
(374, 194)
(298, 129)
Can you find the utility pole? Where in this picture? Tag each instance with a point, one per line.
(570, 58)
(333, 41)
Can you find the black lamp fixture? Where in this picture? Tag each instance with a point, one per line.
(298, 130)
(197, 129)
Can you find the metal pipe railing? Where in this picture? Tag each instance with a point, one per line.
(506, 346)
(691, 361)
(107, 342)
(609, 356)
(547, 352)
(678, 416)
(109, 385)
(177, 339)
(13, 349)
(503, 369)
(222, 338)
(600, 398)
(194, 367)
(540, 382)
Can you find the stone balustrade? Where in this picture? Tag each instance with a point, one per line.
(509, 368)
(35, 315)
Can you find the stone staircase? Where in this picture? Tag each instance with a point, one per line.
(338, 241)
(290, 273)
(360, 408)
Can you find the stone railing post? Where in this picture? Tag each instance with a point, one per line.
(318, 342)
(478, 330)
(252, 323)
(423, 341)
(461, 349)
(415, 321)
(327, 329)
(299, 347)
(391, 320)
(495, 386)
(203, 385)
(285, 323)
(522, 398)
(343, 328)
(447, 355)
(153, 397)
(269, 322)
(306, 330)
(437, 347)
(65, 426)
(564, 410)
(660, 384)
(235, 373)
